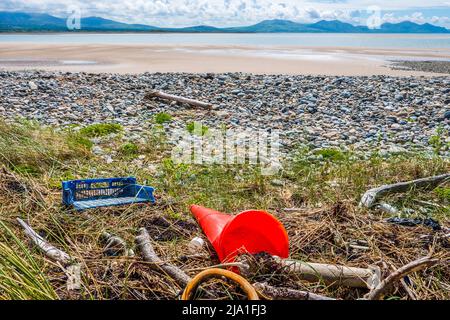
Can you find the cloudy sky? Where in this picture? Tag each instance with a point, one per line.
(241, 12)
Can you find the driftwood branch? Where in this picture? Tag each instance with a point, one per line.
(333, 274)
(370, 197)
(384, 286)
(166, 96)
(144, 244)
(48, 249)
(276, 293)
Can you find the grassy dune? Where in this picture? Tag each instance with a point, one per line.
(324, 187)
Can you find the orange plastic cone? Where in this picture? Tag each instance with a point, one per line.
(251, 232)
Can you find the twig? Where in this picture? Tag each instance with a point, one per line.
(144, 244)
(275, 293)
(371, 196)
(48, 249)
(162, 95)
(382, 289)
(405, 286)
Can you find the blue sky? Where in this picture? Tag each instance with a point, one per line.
(242, 12)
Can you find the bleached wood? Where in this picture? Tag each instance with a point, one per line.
(145, 246)
(369, 199)
(171, 97)
(332, 274)
(49, 250)
(384, 286)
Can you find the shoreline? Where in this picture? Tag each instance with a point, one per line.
(139, 58)
(90, 32)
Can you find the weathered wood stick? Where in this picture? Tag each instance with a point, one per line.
(384, 286)
(275, 293)
(166, 96)
(371, 196)
(144, 244)
(48, 249)
(333, 274)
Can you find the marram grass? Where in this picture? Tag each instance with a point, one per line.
(324, 187)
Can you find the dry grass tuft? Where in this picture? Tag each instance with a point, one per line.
(324, 222)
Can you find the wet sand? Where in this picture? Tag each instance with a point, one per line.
(127, 58)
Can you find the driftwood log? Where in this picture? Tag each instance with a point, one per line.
(278, 293)
(385, 286)
(333, 274)
(166, 96)
(369, 199)
(145, 246)
(49, 250)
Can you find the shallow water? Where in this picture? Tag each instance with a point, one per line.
(416, 41)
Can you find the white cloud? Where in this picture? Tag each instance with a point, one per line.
(233, 12)
(416, 17)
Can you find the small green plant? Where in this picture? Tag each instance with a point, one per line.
(129, 149)
(438, 141)
(443, 193)
(77, 139)
(101, 130)
(193, 128)
(331, 154)
(162, 117)
(25, 169)
(55, 181)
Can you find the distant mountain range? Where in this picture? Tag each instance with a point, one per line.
(37, 22)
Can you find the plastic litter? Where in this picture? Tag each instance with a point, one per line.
(94, 193)
(203, 276)
(251, 232)
(412, 222)
(196, 245)
(385, 207)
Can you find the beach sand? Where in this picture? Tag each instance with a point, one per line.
(125, 58)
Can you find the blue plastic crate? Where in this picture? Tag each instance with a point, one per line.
(94, 193)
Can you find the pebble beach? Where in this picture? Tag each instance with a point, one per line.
(391, 114)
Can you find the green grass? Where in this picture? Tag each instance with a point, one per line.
(331, 154)
(101, 130)
(162, 117)
(346, 176)
(75, 140)
(30, 149)
(129, 149)
(443, 193)
(21, 275)
(191, 128)
(26, 169)
(437, 141)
